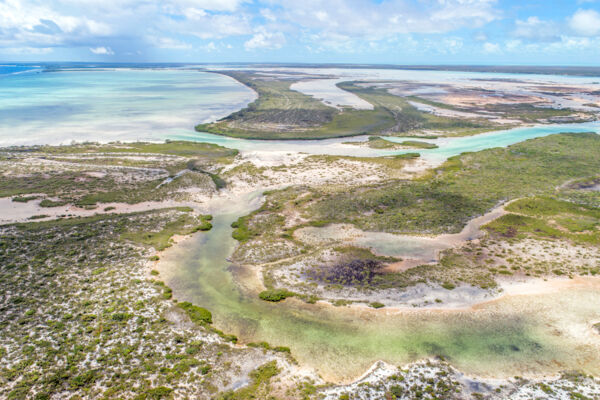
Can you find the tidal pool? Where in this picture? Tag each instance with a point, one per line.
(415, 249)
(514, 335)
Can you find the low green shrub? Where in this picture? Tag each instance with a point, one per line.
(275, 295)
(40, 216)
(197, 314)
(24, 199)
(156, 393)
(407, 156)
(51, 203)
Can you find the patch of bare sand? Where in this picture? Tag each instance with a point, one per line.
(538, 286)
(327, 91)
(445, 112)
(268, 158)
(283, 169)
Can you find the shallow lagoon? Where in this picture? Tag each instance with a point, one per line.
(157, 104)
(516, 335)
(115, 104)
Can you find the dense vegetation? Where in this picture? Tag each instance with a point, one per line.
(377, 142)
(417, 144)
(87, 174)
(406, 118)
(275, 295)
(184, 224)
(83, 314)
(464, 187)
(437, 380)
(195, 150)
(351, 272)
(259, 387)
(549, 218)
(80, 318)
(443, 201)
(282, 113)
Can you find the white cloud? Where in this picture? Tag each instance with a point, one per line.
(473, 13)
(513, 45)
(366, 20)
(211, 5)
(323, 42)
(343, 25)
(453, 44)
(392, 27)
(491, 48)
(447, 45)
(167, 5)
(25, 17)
(31, 23)
(536, 29)
(585, 22)
(27, 50)
(268, 15)
(106, 51)
(130, 23)
(212, 26)
(574, 44)
(564, 45)
(168, 43)
(480, 37)
(322, 16)
(210, 47)
(194, 13)
(263, 39)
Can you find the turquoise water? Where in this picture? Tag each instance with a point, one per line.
(448, 147)
(157, 104)
(454, 146)
(14, 69)
(111, 104)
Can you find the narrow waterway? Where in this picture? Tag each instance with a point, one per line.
(447, 147)
(509, 336)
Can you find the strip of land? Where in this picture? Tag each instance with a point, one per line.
(280, 112)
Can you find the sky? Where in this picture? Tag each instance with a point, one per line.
(484, 32)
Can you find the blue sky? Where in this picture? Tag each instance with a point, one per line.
(550, 32)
